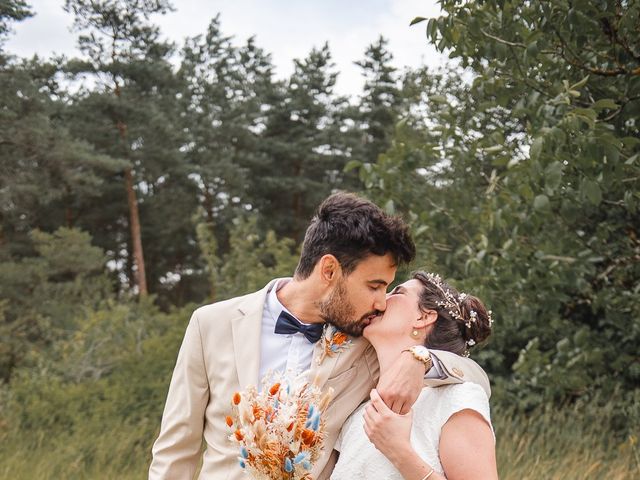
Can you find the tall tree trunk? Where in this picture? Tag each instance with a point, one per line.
(136, 238)
(134, 216)
(296, 233)
(208, 208)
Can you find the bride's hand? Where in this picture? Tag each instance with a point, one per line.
(388, 431)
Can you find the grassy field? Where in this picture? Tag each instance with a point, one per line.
(562, 445)
(548, 444)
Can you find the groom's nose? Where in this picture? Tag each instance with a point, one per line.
(380, 303)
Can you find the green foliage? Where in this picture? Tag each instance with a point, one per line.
(524, 187)
(253, 260)
(380, 104)
(109, 389)
(302, 146)
(12, 10)
(129, 115)
(43, 294)
(47, 174)
(223, 92)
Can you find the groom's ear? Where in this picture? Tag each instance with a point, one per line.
(329, 268)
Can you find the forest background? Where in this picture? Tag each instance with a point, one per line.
(143, 179)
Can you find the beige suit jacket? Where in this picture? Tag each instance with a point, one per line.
(220, 355)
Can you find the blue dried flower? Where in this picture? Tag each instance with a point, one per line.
(288, 466)
(316, 423)
(300, 457)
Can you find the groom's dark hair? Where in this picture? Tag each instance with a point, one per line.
(351, 228)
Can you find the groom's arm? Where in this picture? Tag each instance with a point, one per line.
(456, 369)
(177, 450)
(402, 384)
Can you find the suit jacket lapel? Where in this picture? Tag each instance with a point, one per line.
(319, 372)
(246, 330)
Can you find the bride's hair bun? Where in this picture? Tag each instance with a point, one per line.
(477, 320)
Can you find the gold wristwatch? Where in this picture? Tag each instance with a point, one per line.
(422, 354)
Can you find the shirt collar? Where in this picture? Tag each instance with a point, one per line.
(273, 304)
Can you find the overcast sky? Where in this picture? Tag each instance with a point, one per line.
(286, 29)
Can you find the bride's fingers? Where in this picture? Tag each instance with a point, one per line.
(397, 406)
(367, 430)
(370, 415)
(378, 403)
(404, 409)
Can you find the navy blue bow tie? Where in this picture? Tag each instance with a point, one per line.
(287, 324)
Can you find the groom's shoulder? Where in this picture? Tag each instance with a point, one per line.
(242, 304)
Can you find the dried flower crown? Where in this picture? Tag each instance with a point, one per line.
(452, 304)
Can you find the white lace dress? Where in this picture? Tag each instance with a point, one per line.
(359, 459)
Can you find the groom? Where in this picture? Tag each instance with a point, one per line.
(350, 255)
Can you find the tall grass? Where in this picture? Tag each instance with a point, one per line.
(548, 444)
(566, 444)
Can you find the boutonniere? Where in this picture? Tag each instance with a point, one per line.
(333, 341)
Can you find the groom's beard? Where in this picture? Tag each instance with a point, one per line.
(338, 311)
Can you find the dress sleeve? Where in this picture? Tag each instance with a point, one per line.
(464, 396)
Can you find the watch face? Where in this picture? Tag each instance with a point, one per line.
(422, 351)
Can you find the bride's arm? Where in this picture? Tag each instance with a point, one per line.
(467, 447)
(390, 433)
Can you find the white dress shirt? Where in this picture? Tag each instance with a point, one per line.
(280, 352)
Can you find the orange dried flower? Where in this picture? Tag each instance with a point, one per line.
(236, 398)
(239, 435)
(274, 389)
(229, 421)
(339, 338)
(257, 412)
(308, 437)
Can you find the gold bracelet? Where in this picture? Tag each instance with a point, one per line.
(429, 474)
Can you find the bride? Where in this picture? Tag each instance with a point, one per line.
(448, 433)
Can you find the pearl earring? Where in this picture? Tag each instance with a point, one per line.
(414, 333)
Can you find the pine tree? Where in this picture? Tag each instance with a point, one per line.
(300, 141)
(12, 11)
(380, 103)
(126, 115)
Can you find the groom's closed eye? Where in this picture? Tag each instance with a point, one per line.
(375, 285)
